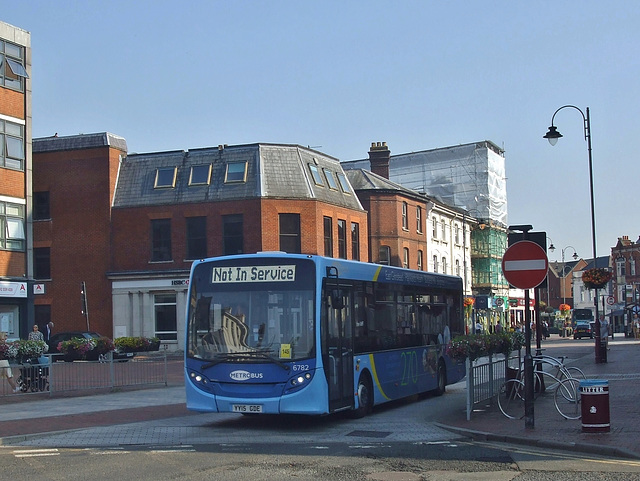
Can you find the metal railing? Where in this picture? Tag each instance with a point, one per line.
(54, 377)
(485, 376)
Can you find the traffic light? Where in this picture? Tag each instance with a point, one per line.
(83, 298)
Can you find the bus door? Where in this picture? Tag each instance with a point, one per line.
(338, 347)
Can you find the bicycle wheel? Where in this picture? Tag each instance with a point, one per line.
(511, 399)
(543, 382)
(573, 372)
(567, 398)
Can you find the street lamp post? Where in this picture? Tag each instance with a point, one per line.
(563, 284)
(551, 248)
(564, 271)
(552, 136)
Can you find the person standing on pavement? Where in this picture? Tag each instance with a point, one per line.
(47, 331)
(35, 334)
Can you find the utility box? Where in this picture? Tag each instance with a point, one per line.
(594, 400)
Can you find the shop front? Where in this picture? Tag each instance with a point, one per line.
(13, 308)
(151, 307)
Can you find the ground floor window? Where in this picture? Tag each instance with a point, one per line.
(9, 317)
(165, 316)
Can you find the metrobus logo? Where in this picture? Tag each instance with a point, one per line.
(245, 375)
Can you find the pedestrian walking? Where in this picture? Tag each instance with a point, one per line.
(5, 369)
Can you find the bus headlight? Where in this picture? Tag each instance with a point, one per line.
(301, 380)
(198, 378)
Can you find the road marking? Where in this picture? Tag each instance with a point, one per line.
(176, 450)
(109, 452)
(33, 453)
(568, 454)
(368, 446)
(183, 448)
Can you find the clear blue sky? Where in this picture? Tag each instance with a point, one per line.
(338, 75)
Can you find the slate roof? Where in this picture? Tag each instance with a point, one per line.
(273, 171)
(365, 180)
(78, 142)
(362, 179)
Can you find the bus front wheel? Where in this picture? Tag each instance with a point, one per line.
(365, 397)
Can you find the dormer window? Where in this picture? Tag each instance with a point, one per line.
(200, 174)
(344, 184)
(315, 173)
(331, 182)
(236, 172)
(165, 178)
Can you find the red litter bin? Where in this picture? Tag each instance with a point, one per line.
(594, 400)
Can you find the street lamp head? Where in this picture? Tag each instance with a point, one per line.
(575, 255)
(552, 247)
(552, 135)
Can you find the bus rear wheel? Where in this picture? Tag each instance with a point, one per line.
(441, 379)
(365, 397)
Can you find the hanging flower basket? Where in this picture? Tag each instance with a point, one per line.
(596, 278)
(468, 305)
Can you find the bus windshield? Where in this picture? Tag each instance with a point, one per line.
(250, 321)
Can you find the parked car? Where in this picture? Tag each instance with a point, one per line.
(582, 329)
(91, 356)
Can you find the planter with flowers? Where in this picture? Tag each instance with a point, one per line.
(596, 278)
(137, 344)
(479, 345)
(77, 348)
(8, 350)
(31, 349)
(21, 350)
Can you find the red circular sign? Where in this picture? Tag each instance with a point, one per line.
(525, 264)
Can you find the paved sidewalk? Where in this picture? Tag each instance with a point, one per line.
(26, 416)
(552, 430)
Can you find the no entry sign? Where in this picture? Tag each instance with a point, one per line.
(525, 264)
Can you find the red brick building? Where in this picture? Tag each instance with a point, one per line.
(130, 226)
(16, 289)
(411, 229)
(73, 185)
(625, 259)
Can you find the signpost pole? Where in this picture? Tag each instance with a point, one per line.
(525, 266)
(529, 417)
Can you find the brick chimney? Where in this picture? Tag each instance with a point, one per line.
(379, 155)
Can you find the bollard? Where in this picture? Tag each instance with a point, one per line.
(594, 400)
